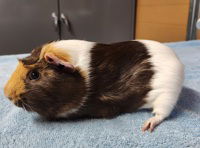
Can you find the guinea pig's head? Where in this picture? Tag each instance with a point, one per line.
(47, 83)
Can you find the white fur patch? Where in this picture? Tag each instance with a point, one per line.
(79, 50)
(167, 80)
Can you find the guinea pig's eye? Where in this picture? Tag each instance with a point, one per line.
(33, 75)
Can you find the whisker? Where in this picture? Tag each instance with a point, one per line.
(23, 106)
(27, 105)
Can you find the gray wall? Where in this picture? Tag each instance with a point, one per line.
(100, 20)
(26, 24)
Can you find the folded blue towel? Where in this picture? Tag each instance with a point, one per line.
(19, 128)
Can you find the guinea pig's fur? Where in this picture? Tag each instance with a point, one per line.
(75, 78)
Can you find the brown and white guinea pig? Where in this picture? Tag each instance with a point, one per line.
(75, 78)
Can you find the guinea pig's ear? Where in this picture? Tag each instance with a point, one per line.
(52, 59)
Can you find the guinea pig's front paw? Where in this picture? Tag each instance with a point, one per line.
(151, 123)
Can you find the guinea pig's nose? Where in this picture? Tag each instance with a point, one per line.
(9, 98)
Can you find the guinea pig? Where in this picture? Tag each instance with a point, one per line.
(77, 78)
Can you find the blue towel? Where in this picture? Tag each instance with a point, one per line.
(19, 128)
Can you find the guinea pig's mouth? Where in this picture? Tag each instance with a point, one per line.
(21, 103)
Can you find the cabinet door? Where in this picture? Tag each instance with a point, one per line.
(25, 24)
(99, 20)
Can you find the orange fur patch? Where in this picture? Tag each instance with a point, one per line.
(15, 85)
(49, 48)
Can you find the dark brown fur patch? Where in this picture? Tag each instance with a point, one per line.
(120, 78)
(33, 58)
